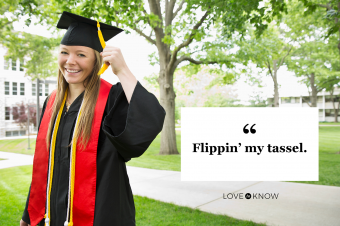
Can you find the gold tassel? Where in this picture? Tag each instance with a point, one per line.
(54, 138)
(102, 42)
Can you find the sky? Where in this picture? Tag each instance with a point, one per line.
(136, 49)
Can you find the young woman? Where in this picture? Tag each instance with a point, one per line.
(88, 130)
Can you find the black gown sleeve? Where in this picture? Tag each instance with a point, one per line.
(132, 127)
(25, 217)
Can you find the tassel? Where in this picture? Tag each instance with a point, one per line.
(47, 221)
(104, 67)
(100, 35)
(102, 42)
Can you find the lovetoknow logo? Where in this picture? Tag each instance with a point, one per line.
(250, 196)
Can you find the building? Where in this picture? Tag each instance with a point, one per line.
(324, 103)
(16, 88)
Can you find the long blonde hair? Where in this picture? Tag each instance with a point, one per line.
(90, 98)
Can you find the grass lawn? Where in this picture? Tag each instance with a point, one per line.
(329, 161)
(13, 197)
(330, 123)
(18, 146)
(152, 160)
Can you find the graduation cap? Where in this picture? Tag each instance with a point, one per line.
(82, 31)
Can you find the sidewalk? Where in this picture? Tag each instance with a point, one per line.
(18, 137)
(296, 205)
(13, 159)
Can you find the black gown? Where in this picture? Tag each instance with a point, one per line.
(127, 131)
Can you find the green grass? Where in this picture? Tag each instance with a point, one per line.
(330, 123)
(152, 160)
(15, 181)
(329, 160)
(2, 159)
(329, 157)
(18, 146)
(14, 185)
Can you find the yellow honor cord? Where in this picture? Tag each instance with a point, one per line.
(74, 146)
(102, 42)
(54, 137)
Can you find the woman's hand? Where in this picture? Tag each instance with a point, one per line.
(23, 223)
(114, 57)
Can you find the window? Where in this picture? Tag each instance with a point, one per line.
(7, 113)
(15, 133)
(34, 89)
(285, 100)
(14, 91)
(320, 99)
(329, 112)
(306, 100)
(297, 100)
(6, 64)
(22, 89)
(21, 65)
(6, 88)
(46, 90)
(14, 65)
(329, 99)
(40, 89)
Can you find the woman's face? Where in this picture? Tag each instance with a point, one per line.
(76, 63)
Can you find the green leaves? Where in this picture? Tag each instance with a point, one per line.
(41, 61)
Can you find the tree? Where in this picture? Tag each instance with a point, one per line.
(20, 115)
(42, 60)
(329, 10)
(268, 52)
(15, 9)
(181, 31)
(257, 101)
(329, 84)
(218, 100)
(313, 57)
(36, 49)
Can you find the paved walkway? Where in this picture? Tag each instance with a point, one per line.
(296, 205)
(12, 159)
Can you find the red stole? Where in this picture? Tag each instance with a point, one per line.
(85, 169)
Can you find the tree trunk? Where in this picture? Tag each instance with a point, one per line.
(276, 94)
(336, 22)
(165, 81)
(336, 109)
(276, 85)
(167, 95)
(314, 90)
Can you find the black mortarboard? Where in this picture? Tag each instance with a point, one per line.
(82, 31)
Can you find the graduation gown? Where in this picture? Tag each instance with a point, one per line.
(126, 132)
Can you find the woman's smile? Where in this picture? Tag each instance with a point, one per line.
(72, 71)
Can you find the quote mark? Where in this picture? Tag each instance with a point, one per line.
(252, 130)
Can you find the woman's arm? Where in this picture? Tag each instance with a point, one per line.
(113, 56)
(131, 127)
